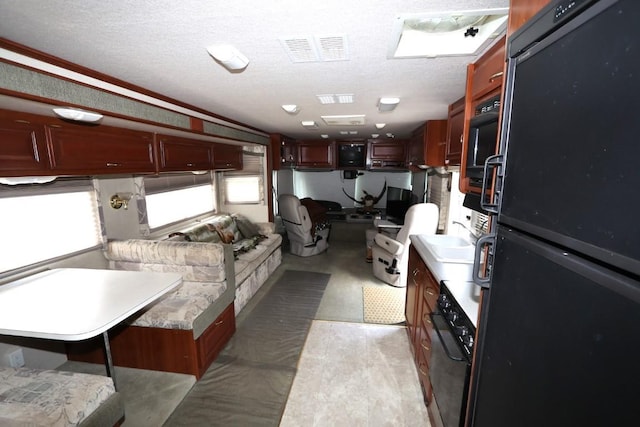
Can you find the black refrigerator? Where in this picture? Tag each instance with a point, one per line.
(559, 332)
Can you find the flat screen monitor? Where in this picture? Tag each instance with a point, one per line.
(398, 201)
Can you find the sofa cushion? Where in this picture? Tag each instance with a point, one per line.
(180, 309)
(33, 397)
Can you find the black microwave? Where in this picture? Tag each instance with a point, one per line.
(482, 140)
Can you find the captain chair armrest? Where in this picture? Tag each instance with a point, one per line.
(388, 244)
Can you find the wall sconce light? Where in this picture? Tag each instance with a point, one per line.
(388, 104)
(120, 200)
(229, 57)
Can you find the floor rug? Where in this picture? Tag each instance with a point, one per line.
(248, 384)
(383, 304)
(365, 377)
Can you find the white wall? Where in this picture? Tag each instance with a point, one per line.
(330, 185)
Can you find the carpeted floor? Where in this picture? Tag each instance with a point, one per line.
(249, 382)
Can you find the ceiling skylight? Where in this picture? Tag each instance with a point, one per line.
(446, 34)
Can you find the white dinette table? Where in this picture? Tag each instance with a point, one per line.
(73, 304)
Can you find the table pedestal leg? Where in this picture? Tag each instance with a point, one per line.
(109, 362)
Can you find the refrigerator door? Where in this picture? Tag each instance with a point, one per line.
(572, 149)
(558, 342)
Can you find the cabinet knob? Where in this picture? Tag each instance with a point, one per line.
(190, 164)
(112, 165)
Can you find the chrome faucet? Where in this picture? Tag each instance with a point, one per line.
(471, 233)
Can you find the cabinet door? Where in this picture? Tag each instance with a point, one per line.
(455, 133)
(76, 149)
(182, 154)
(386, 154)
(488, 70)
(227, 157)
(284, 152)
(521, 10)
(315, 154)
(23, 149)
(413, 297)
(428, 144)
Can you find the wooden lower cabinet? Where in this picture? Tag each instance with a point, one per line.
(159, 349)
(422, 293)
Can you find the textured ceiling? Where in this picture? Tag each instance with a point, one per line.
(161, 45)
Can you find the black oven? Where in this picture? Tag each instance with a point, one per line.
(450, 364)
(482, 139)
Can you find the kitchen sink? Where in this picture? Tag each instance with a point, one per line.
(448, 257)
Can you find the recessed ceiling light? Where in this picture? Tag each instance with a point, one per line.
(309, 124)
(446, 34)
(324, 136)
(388, 104)
(229, 57)
(375, 135)
(291, 108)
(380, 125)
(344, 120)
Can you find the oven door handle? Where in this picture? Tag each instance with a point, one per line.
(446, 349)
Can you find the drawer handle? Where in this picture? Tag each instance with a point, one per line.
(426, 318)
(218, 323)
(113, 165)
(423, 345)
(422, 371)
(496, 75)
(429, 291)
(415, 272)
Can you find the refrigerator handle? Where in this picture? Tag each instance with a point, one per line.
(495, 161)
(487, 241)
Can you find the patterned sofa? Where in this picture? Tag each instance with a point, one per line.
(32, 397)
(224, 260)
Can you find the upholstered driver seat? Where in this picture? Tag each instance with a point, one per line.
(391, 255)
(304, 239)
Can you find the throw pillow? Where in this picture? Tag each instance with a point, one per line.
(247, 228)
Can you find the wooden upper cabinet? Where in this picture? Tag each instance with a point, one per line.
(521, 10)
(316, 154)
(455, 133)
(384, 154)
(488, 71)
(23, 148)
(182, 154)
(284, 152)
(227, 157)
(82, 150)
(428, 144)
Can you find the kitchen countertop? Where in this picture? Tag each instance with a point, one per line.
(465, 292)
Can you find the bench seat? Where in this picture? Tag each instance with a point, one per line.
(34, 397)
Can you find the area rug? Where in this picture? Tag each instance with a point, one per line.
(383, 304)
(364, 378)
(248, 384)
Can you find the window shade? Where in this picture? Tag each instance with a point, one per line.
(170, 182)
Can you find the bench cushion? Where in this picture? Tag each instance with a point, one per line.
(33, 397)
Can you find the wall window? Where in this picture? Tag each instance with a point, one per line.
(242, 189)
(177, 197)
(173, 206)
(246, 186)
(37, 226)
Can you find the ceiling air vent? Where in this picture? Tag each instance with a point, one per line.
(315, 49)
(352, 120)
